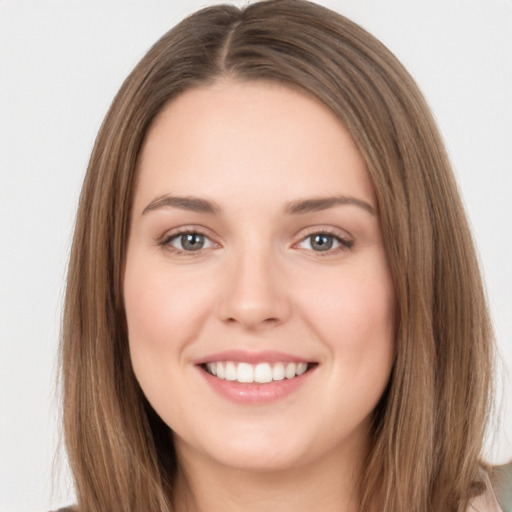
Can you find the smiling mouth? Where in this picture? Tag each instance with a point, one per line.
(261, 373)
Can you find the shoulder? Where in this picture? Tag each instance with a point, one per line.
(486, 502)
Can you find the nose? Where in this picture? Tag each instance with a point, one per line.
(255, 294)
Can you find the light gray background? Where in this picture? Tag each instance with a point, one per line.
(62, 62)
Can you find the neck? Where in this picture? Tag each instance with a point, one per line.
(327, 486)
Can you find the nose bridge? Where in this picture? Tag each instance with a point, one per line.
(255, 292)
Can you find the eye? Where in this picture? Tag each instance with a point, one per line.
(324, 242)
(188, 242)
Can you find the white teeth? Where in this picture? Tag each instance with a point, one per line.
(231, 373)
(220, 371)
(291, 368)
(278, 371)
(301, 368)
(261, 373)
(245, 372)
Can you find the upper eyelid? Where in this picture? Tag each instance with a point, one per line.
(342, 241)
(337, 232)
(184, 230)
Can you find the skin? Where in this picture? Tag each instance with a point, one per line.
(259, 283)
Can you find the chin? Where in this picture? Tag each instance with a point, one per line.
(259, 459)
(250, 450)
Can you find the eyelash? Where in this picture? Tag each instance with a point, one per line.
(165, 242)
(344, 244)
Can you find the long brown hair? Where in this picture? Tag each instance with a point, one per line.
(429, 426)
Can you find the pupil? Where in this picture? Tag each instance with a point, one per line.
(192, 241)
(322, 242)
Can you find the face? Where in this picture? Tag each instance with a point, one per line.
(258, 296)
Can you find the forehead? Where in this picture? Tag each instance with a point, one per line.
(250, 138)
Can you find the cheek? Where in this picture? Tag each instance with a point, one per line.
(165, 311)
(164, 316)
(353, 313)
(353, 299)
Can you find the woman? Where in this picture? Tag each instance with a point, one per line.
(273, 298)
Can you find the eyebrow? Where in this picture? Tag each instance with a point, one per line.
(193, 204)
(323, 203)
(298, 207)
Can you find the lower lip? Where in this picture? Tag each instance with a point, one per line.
(253, 393)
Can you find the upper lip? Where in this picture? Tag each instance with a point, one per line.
(242, 356)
